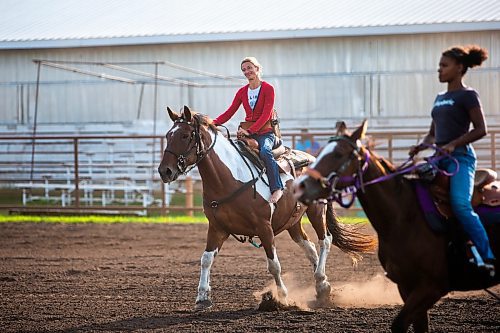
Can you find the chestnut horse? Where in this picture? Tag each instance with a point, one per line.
(415, 257)
(235, 201)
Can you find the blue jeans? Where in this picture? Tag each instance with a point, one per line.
(266, 143)
(461, 188)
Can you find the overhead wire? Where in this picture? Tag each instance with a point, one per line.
(62, 64)
(86, 72)
(154, 76)
(196, 71)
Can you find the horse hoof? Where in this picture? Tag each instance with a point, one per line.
(270, 303)
(322, 296)
(203, 305)
(323, 291)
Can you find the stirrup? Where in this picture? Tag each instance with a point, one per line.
(489, 267)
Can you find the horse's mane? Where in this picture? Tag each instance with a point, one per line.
(381, 162)
(384, 163)
(204, 120)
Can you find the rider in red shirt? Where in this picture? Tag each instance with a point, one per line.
(257, 98)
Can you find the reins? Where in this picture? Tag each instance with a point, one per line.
(249, 183)
(200, 154)
(357, 180)
(216, 203)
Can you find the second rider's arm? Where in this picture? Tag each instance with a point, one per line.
(429, 139)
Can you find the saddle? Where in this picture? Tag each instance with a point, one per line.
(433, 199)
(289, 160)
(486, 191)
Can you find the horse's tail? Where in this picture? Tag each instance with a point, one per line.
(348, 238)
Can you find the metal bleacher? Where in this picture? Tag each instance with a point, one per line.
(116, 169)
(103, 171)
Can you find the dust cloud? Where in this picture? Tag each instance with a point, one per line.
(299, 296)
(378, 291)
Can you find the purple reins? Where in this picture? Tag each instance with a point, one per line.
(357, 178)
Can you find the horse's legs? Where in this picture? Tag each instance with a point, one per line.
(300, 237)
(316, 214)
(215, 239)
(266, 236)
(421, 323)
(417, 303)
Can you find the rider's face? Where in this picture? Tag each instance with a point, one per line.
(249, 70)
(449, 69)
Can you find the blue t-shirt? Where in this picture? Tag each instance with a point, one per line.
(450, 114)
(308, 146)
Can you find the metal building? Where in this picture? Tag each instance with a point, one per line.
(328, 60)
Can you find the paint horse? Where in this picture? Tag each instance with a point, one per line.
(235, 201)
(424, 264)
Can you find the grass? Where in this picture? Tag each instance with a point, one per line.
(131, 219)
(102, 219)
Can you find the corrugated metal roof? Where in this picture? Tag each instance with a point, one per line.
(69, 23)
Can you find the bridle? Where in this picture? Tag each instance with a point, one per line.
(200, 154)
(352, 183)
(355, 182)
(198, 145)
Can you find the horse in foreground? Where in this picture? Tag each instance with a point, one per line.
(424, 264)
(235, 201)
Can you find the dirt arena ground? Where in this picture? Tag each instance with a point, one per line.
(143, 277)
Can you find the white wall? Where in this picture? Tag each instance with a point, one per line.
(391, 80)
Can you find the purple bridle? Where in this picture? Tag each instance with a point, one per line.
(356, 180)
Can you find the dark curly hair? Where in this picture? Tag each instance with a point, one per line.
(470, 56)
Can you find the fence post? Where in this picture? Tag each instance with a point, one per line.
(389, 147)
(493, 152)
(77, 176)
(189, 195)
(163, 201)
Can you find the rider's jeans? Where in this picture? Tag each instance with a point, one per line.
(461, 188)
(266, 142)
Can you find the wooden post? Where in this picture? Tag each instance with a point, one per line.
(163, 202)
(188, 183)
(389, 148)
(493, 151)
(77, 176)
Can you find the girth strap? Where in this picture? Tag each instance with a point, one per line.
(215, 203)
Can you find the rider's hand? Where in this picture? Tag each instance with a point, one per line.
(414, 150)
(242, 133)
(448, 148)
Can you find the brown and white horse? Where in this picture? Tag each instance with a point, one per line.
(235, 201)
(424, 264)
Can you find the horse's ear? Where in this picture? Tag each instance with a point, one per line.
(172, 114)
(341, 128)
(360, 133)
(187, 113)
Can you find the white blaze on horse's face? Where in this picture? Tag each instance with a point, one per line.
(173, 130)
(239, 169)
(328, 149)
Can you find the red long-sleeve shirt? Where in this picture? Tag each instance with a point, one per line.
(261, 113)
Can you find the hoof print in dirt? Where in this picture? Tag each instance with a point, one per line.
(203, 305)
(270, 303)
(323, 302)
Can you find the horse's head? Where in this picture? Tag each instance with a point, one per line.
(188, 142)
(335, 166)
